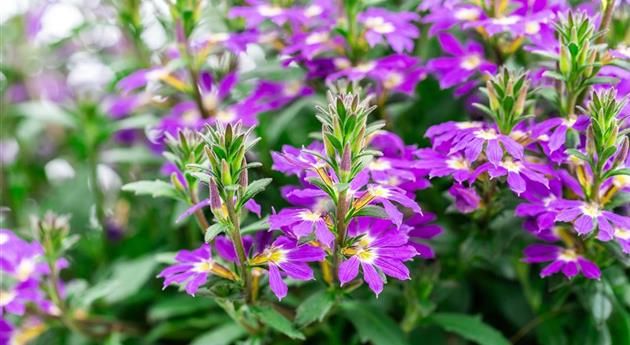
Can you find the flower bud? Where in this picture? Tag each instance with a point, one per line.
(226, 174)
(215, 197)
(590, 141)
(565, 60)
(175, 182)
(492, 96)
(519, 106)
(346, 163)
(623, 153)
(244, 178)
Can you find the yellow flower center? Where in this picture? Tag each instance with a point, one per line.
(316, 38)
(568, 255)
(380, 165)
(486, 134)
(470, 62)
(378, 191)
(269, 11)
(365, 67)
(203, 266)
(469, 14)
(532, 28)
(622, 234)
(6, 297)
(366, 255)
(313, 10)
(226, 116)
(310, 216)
(393, 80)
(379, 25)
(511, 165)
(468, 125)
(458, 163)
(25, 269)
(591, 210)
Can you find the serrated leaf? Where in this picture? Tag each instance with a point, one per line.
(373, 325)
(275, 320)
(254, 188)
(469, 327)
(156, 188)
(314, 308)
(212, 231)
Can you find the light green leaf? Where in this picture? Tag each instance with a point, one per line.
(135, 154)
(213, 230)
(275, 320)
(155, 188)
(134, 122)
(222, 335)
(469, 327)
(601, 308)
(262, 224)
(177, 306)
(373, 325)
(254, 188)
(315, 307)
(372, 211)
(47, 112)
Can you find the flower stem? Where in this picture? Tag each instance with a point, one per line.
(342, 209)
(238, 246)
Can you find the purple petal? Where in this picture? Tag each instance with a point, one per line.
(276, 283)
(372, 278)
(348, 270)
(589, 269)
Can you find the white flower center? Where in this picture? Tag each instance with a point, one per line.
(568, 255)
(458, 163)
(532, 28)
(393, 80)
(509, 20)
(486, 134)
(378, 191)
(292, 88)
(203, 266)
(4, 238)
(379, 25)
(470, 62)
(570, 121)
(591, 210)
(218, 37)
(365, 67)
(469, 14)
(190, 117)
(379, 165)
(6, 297)
(316, 38)
(156, 74)
(226, 115)
(546, 201)
(313, 10)
(310, 216)
(622, 234)
(277, 256)
(269, 11)
(468, 125)
(25, 269)
(342, 63)
(621, 181)
(511, 165)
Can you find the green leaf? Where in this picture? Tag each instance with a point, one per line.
(126, 279)
(469, 327)
(601, 307)
(256, 226)
(372, 211)
(315, 307)
(275, 320)
(223, 335)
(155, 188)
(212, 231)
(177, 306)
(373, 325)
(47, 112)
(622, 171)
(254, 188)
(135, 122)
(553, 75)
(134, 154)
(578, 154)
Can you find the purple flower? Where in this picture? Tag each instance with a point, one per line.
(270, 95)
(444, 135)
(444, 17)
(539, 205)
(517, 173)
(141, 78)
(225, 247)
(620, 234)
(193, 269)
(260, 11)
(585, 216)
(420, 229)
(463, 63)
(396, 27)
(440, 165)
(377, 246)
(286, 255)
(490, 142)
(302, 223)
(466, 199)
(554, 131)
(565, 260)
(384, 195)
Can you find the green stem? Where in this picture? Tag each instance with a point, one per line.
(238, 245)
(342, 209)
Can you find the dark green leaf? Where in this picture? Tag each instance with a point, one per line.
(275, 320)
(372, 211)
(222, 335)
(373, 325)
(254, 188)
(469, 327)
(212, 231)
(314, 308)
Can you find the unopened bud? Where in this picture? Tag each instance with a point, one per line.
(565, 60)
(175, 182)
(226, 174)
(612, 139)
(588, 71)
(328, 147)
(623, 153)
(346, 162)
(492, 96)
(519, 106)
(213, 161)
(215, 197)
(590, 141)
